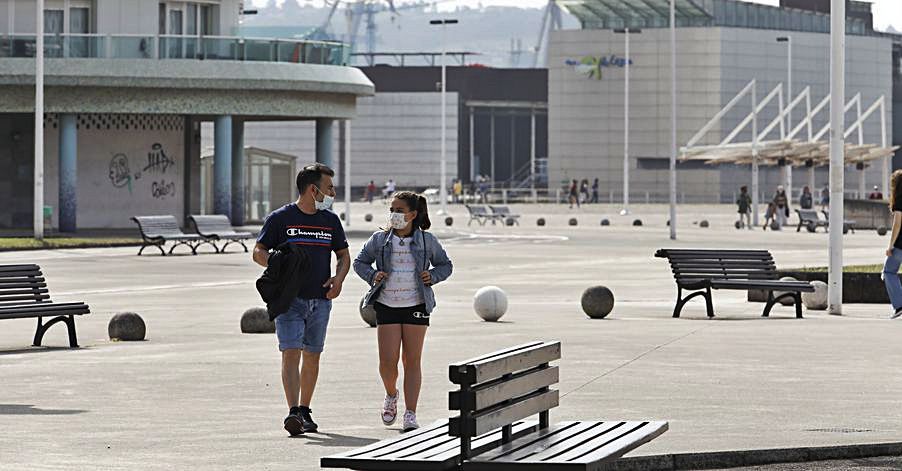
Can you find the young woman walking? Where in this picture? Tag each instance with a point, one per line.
(894, 252)
(409, 262)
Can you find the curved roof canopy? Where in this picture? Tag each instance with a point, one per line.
(636, 13)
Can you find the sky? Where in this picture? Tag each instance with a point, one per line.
(886, 12)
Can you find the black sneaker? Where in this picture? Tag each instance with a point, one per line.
(306, 421)
(293, 423)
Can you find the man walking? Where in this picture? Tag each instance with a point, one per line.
(745, 203)
(307, 224)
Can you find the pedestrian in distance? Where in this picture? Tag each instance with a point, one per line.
(825, 198)
(574, 194)
(308, 227)
(370, 192)
(584, 191)
(781, 202)
(409, 261)
(745, 205)
(876, 194)
(806, 200)
(769, 215)
(595, 191)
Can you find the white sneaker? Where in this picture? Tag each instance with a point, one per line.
(390, 409)
(410, 421)
(897, 313)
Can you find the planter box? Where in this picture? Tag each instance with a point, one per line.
(866, 288)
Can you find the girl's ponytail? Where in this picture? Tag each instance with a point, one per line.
(422, 220)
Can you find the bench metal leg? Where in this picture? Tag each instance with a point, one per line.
(42, 328)
(159, 246)
(681, 301)
(186, 244)
(211, 242)
(773, 300)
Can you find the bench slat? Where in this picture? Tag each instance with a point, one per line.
(634, 435)
(547, 438)
(495, 417)
(774, 285)
(496, 392)
(4, 298)
(23, 286)
(500, 363)
(443, 455)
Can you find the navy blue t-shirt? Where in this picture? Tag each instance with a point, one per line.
(318, 234)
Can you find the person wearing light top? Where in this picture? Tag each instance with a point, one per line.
(408, 262)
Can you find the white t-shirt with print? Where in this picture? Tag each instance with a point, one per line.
(400, 288)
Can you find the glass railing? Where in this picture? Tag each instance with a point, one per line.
(99, 46)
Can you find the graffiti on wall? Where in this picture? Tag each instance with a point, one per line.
(121, 175)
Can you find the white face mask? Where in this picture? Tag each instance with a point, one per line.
(397, 221)
(326, 203)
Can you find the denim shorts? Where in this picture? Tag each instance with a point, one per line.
(303, 326)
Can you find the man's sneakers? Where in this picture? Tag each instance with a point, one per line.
(390, 409)
(897, 313)
(293, 424)
(299, 421)
(306, 420)
(410, 421)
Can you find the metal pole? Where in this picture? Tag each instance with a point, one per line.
(755, 189)
(472, 144)
(789, 81)
(347, 178)
(837, 149)
(626, 128)
(39, 124)
(883, 143)
(442, 187)
(532, 150)
(492, 143)
(673, 122)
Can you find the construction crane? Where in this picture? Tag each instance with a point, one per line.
(551, 21)
(357, 11)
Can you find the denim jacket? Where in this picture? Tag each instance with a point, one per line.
(427, 252)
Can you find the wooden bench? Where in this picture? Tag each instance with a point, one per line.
(480, 214)
(700, 271)
(157, 230)
(497, 393)
(24, 295)
(809, 219)
(503, 213)
(218, 227)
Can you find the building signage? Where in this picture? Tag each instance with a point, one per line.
(591, 66)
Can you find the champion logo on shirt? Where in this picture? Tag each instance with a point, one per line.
(310, 235)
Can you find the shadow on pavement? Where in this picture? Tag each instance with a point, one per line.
(333, 439)
(28, 409)
(18, 351)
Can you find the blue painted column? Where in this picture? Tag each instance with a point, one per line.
(239, 178)
(68, 172)
(222, 165)
(324, 141)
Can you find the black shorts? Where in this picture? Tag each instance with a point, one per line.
(414, 315)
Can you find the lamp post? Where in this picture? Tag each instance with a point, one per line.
(626, 119)
(39, 123)
(443, 184)
(837, 150)
(788, 167)
(673, 121)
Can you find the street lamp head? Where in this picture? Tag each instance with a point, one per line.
(783, 39)
(443, 22)
(628, 30)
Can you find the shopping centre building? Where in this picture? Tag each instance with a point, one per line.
(721, 46)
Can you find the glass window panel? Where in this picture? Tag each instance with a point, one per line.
(191, 20)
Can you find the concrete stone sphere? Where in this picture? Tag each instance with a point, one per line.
(540, 222)
(368, 218)
(737, 224)
(342, 216)
(785, 301)
(881, 230)
(449, 221)
(637, 222)
(572, 221)
(127, 326)
(256, 321)
(775, 226)
(605, 222)
(703, 224)
(816, 301)
(490, 303)
(597, 302)
(368, 314)
(510, 221)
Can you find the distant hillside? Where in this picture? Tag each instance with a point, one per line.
(488, 31)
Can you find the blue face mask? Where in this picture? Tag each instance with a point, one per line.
(326, 203)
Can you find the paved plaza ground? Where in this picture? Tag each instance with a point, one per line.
(199, 394)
